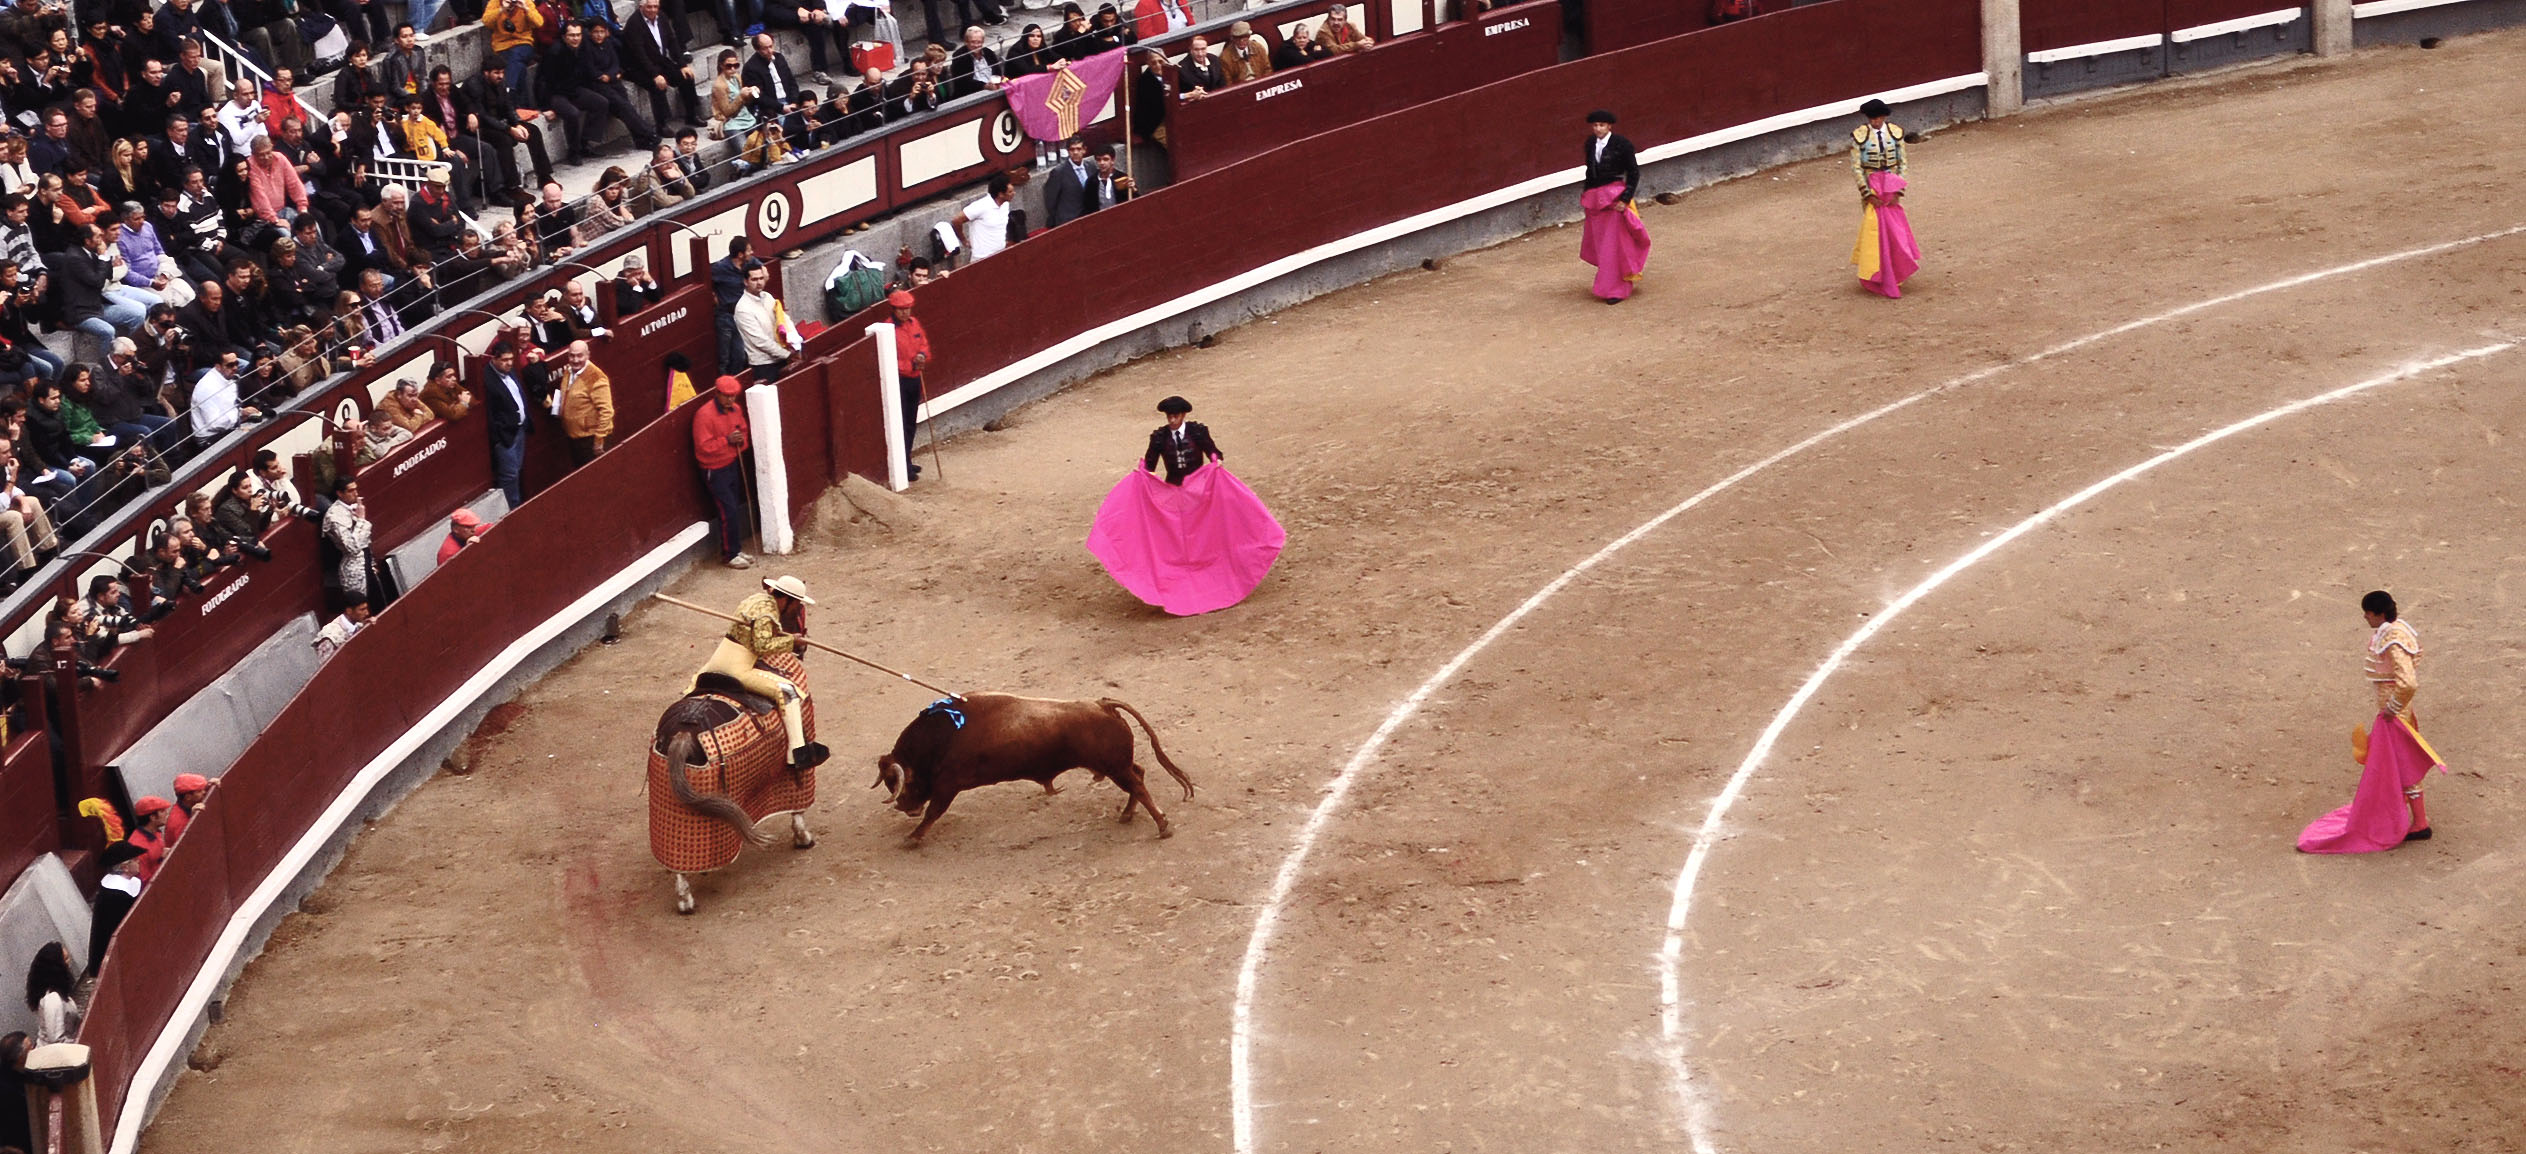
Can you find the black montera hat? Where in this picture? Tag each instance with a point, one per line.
(1174, 405)
(1874, 109)
(1600, 116)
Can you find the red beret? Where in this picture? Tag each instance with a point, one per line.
(900, 299)
(729, 386)
(149, 805)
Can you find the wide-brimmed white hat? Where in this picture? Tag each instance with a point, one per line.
(788, 586)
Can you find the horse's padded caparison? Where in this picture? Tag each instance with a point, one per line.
(746, 759)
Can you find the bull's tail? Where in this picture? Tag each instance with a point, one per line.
(681, 749)
(1111, 705)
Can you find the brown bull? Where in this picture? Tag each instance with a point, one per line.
(980, 739)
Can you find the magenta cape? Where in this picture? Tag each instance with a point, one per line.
(1613, 240)
(2377, 817)
(1186, 549)
(1055, 105)
(1886, 253)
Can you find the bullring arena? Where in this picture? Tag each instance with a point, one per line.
(1973, 658)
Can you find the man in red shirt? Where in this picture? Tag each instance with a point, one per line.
(190, 791)
(912, 358)
(462, 527)
(151, 837)
(719, 446)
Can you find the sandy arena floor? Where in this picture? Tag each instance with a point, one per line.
(2018, 876)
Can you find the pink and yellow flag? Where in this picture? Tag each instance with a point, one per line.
(1054, 105)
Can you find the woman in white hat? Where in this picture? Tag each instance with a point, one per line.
(770, 622)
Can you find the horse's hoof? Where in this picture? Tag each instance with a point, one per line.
(803, 843)
(1165, 830)
(684, 905)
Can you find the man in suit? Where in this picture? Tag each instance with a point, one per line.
(975, 67)
(512, 418)
(1183, 446)
(658, 58)
(1107, 188)
(1199, 75)
(569, 92)
(1066, 187)
(504, 127)
(777, 96)
(364, 249)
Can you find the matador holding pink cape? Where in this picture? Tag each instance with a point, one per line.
(1195, 542)
(1612, 238)
(2386, 810)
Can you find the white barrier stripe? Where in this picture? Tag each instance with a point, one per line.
(167, 1051)
(2269, 19)
(2095, 48)
(993, 381)
(2390, 7)
(1670, 955)
(1284, 882)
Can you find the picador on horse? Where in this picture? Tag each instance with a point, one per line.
(719, 766)
(769, 624)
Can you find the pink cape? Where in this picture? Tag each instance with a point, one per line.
(1186, 549)
(1613, 240)
(2377, 817)
(1887, 255)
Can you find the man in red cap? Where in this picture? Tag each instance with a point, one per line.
(912, 358)
(462, 527)
(151, 837)
(190, 790)
(719, 446)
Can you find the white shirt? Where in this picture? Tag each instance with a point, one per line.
(240, 126)
(214, 405)
(761, 332)
(987, 226)
(1601, 142)
(336, 632)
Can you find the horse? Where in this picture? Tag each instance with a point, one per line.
(718, 767)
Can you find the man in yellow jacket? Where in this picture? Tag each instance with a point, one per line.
(587, 404)
(769, 622)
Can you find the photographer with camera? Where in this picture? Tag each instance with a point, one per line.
(110, 612)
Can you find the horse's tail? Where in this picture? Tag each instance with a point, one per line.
(681, 752)
(1111, 705)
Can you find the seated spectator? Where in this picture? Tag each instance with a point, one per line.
(1030, 55)
(218, 406)
(131, 473)
(342, 629)
(109, 408)
(191, 790)
(52, 991)
(1338, 37)
(634, 288)
(346, 333)
(974, 67)
(689, 160)
(201, 558)
(556, 220)
(302, 362)
(151, 836)
(382, 439)
(383, 320)
(580, 308)
(49, 427)
(1075, 41)
(114, 898)
(403, 407)
(1199, 75)
(464, 527)
(1299, 48)
(446, 394)
(1109, 31)
(660, 185)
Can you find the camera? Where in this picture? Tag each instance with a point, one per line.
(33, 665)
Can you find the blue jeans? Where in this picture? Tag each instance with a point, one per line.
(516, 60)
(44, 361)
(158, 431)
(423, 12)
(507, 461)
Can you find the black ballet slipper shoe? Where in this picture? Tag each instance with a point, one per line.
(2421, 834)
